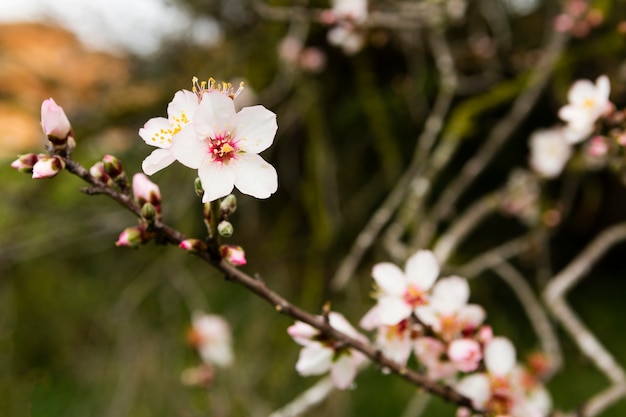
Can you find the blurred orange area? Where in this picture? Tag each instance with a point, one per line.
(39, 61)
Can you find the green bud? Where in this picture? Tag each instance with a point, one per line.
(197, 185)
(225, 229)
(148, 212)
(228, 205)
(114, 169)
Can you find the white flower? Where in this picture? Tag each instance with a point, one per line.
(159, 131)
(223, 146)
(395, 341)
(210, 334)
(549, 152)
(587, 102)
(448, 313)
(354, 10)
(465, 354)
(320, 355)
(403, 292)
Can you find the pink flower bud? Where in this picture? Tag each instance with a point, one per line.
(97, 171)
(47, 166)
(465, 354)
(598, 147)
(146, 191)
(25, 163)
(233, 254)
(54, 121)
(132, 237)
(193, 245)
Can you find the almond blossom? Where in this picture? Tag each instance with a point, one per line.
(395, 341)
(505, 388)
(320, 354)
(587, 102)
(223, 146)
(54, 121)
(448, 313)
(549, 151)
(401, 293)
(211, 335)
(159, 131)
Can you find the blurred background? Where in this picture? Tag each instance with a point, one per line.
(90, 329)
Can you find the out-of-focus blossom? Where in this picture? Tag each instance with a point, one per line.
(587, 102)
(54, 122)
(47, 166)
(549, 152)
(521, 196)
(223, 146)
(159, 131)
(348, 17)
(346, 37)
(320, 355)
(395, 341)
(211, 335)
(235, 255)
(465, 354)
(401, 293)
(430, 354)
(353, 10)
(448, 313)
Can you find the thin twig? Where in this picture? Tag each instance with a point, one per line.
(308, 399)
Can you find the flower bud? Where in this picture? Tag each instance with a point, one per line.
(225, 229)
(234, 255)
(114, 169)
(24, 163)
(54, 122)
(197, 185)
(146, 191)
(97, 171)
(132, 237)
(148, 212)
(47, 166)
(228, 205)
(193, 245)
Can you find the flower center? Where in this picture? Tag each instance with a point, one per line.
(414, 296)
(223, 147)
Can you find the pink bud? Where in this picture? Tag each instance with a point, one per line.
(193, 245)
(25, 163)
(47, 166)
(131, 237)
(598, 146)
(484, 334)
(146, 191)
(233, 254)
(54, 121)
(465, 354)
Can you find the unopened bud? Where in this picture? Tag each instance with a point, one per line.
(206, 212)
(55, 123)
(193, 245)
(225, 229)
(24, 163)
(197, 185)
(146, 191)
(114, 169)
(228, 205)
(97, 171)
(47, 166)
(148, 212)
(234, 255)
(132, 237)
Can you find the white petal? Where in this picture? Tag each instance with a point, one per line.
(339, 322)
(422, 269)
(471, 316)
(217, 180)
(302, 333)
(314, 359)
(254, 176)
(475, 387)
(603, 87)
(389, 278)
(428, 315)
(396, 347)
(157, 132)
(187, 149)
(450, 294)
(216, 113)
(343, 371)
(392, 310)
(157, 160)
(371, 319)
(182, 107)
(500, 356)
(256, 128)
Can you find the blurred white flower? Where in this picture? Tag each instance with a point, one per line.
(587, 102)
(211, 335)
(549, 151)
